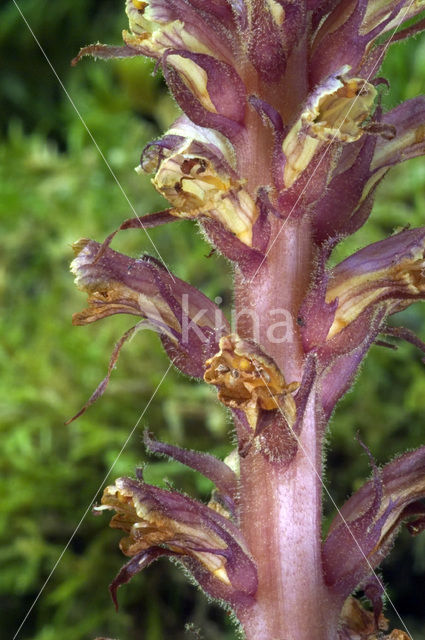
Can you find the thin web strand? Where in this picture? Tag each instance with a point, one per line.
(91, 503)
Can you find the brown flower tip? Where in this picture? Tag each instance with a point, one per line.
(148, 526)
(248, 379)
(396, 634)
(357, 622)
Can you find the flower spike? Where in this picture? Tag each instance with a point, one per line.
(277, 156)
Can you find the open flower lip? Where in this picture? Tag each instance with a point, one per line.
(209, 544)
(196, 176)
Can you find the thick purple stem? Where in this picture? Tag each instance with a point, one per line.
(281, 508)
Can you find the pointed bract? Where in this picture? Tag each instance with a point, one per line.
(211, 467)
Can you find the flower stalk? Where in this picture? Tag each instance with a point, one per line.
(277, 156)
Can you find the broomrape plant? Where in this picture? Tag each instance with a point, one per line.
(277, 156)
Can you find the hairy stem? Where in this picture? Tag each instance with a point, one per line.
(281, 506)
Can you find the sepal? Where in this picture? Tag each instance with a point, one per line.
(149, 221)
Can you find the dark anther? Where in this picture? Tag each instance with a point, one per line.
(202, 166)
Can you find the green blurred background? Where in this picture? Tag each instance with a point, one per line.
(56, 188)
